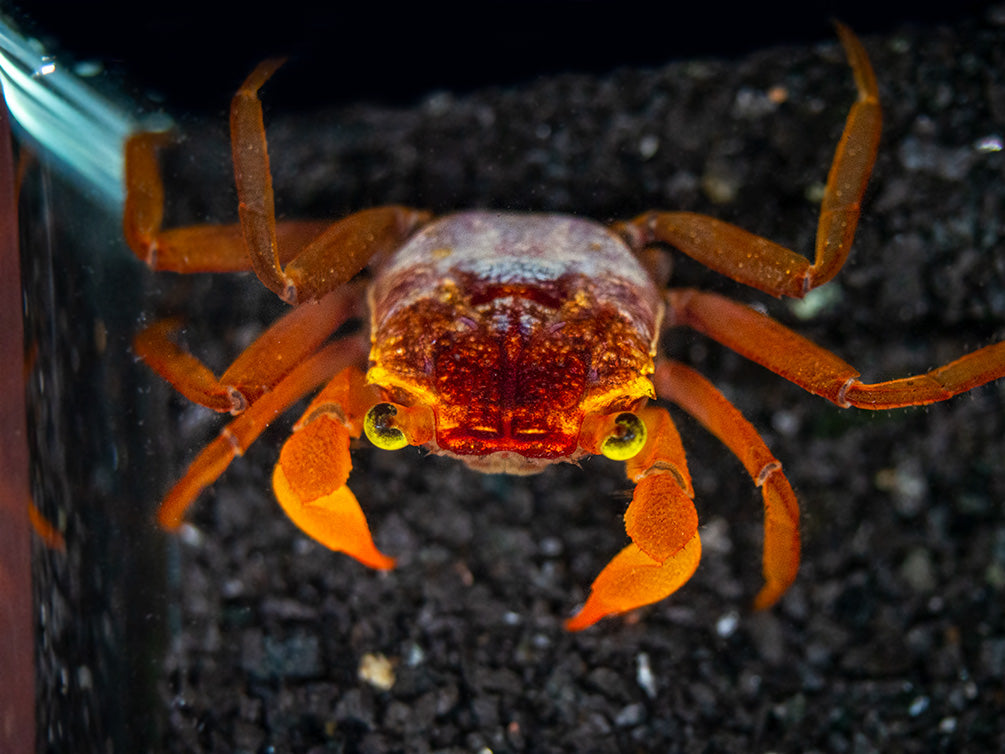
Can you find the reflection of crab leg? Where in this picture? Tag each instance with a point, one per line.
(696, 395)
(765, 265)
(237, 436)
(661, 521)
(261, 365)
(772, 345)
(310, 478)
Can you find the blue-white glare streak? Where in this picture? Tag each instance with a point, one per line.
(63, 117)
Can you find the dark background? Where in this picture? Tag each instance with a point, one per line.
(190, 51)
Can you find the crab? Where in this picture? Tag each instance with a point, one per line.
(509, 342)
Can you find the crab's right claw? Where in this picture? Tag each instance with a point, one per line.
(310, 483)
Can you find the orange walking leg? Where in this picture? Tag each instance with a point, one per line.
(261, 365)
(238, 435)
(320, 255)
(335, 255)
(763, 264)
(661, 522)
(769, 343)
(696, 395)
(47, 532)
(197, 248)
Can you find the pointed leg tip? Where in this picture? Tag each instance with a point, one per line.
(768, 596)
(169, 520)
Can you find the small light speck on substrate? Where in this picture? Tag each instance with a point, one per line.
(377, 670)
(918, 706)
(991, 143)
(648, 146)
(190, 535)
(644, 675)
(947, 725)
(727, 624)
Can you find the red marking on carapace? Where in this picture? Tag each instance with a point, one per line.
(512, 328)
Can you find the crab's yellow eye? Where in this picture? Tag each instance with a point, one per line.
(380, 427)
(627, 439)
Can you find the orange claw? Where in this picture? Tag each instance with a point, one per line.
(662, 523)
(310, 478)
(661, 518)
(315, 458)
(633, 579)
(335, 520)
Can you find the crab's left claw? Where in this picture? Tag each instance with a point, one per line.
(633, 579)
(310, 478)
(663, 555)
(661, 521)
